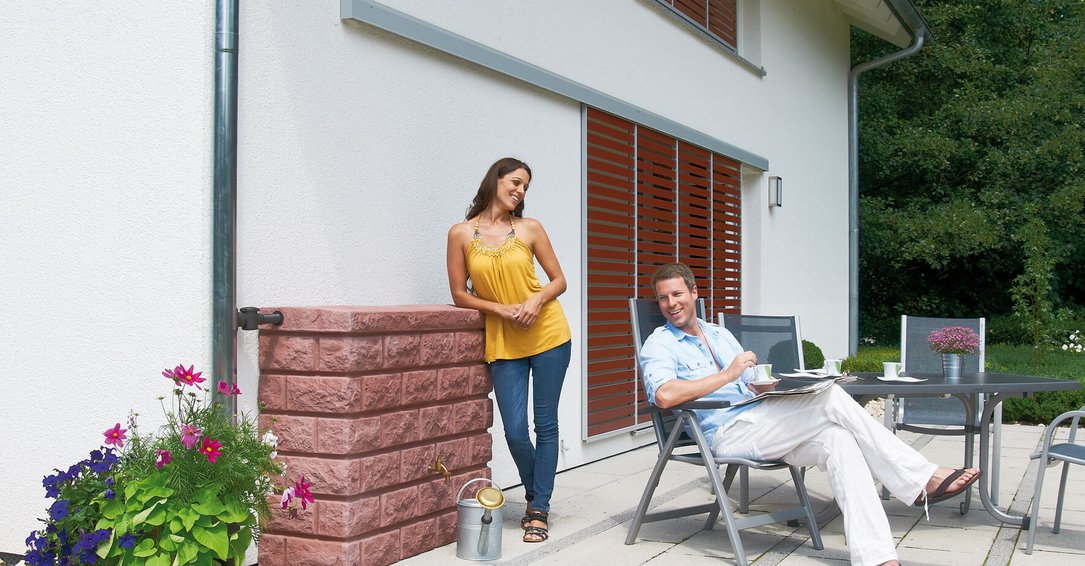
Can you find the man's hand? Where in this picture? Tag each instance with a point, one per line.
(741, 363)
(759, 389)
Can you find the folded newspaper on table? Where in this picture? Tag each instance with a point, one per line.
(812, 388)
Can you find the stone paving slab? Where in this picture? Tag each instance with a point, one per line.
(594, 503)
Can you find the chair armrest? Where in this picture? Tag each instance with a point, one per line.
(691, 405)
(701, 405)
(1049, 432)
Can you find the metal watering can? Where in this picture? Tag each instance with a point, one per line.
(478, 534)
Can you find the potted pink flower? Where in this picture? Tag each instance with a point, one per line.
(953, 342)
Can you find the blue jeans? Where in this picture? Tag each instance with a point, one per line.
(537, 463)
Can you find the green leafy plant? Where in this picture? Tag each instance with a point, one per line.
(194, 493)
(812, 355)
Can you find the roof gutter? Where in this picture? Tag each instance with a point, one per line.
(909, 17)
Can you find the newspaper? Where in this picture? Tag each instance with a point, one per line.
(813, 388)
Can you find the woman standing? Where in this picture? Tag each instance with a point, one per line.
(526, 329)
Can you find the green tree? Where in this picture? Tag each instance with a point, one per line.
(961, 146)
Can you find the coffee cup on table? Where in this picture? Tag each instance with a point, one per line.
(832, 367)
(891, 369)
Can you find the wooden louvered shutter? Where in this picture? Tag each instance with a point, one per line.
(656, 206)
(611, 381)
(723, 20)
(695, 216)
(727, 236)
(651, 199)
(717, 17)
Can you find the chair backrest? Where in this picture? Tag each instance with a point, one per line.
(916, 354)
(645, 317)
(775, 339)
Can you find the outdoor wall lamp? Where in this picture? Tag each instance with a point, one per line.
(776, 191)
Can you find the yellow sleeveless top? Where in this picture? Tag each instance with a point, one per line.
(506, 274)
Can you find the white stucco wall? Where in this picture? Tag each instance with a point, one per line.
(104, 227)
(357, 150)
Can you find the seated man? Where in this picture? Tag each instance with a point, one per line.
(688, 359)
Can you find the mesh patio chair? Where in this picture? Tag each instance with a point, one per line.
(942, 416)
(1069, 452)
(680, 439)
(775, 340)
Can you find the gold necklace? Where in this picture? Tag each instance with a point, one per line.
(479, 245)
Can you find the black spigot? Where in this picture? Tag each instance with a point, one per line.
(249, 318)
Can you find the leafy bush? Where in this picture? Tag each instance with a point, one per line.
(1005, 329)
(871, 358)
(812, 356)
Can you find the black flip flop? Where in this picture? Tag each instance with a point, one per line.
(943, 492)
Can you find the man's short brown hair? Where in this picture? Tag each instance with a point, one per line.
(674, 271)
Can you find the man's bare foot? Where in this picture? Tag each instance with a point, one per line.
(947, 483)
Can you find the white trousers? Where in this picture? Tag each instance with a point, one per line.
(833, 432)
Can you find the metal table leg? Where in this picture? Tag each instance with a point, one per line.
(985, 496)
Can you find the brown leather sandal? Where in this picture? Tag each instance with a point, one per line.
(533, 533)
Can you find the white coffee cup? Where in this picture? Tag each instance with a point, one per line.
(891, 369)
(832, 367)
(762, 373)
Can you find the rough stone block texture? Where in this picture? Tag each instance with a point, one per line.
(365, 400)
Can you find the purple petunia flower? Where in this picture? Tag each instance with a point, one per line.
(109, 494)
(109, 481)
(127, 541)
(50, 484)
(59, 509)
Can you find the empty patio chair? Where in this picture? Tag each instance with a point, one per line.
(776, 340)
(947, 415)
(680, 439)
(1069, 452)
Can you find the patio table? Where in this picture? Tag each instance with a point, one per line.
(999, 386)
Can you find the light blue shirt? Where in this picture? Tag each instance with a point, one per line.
(670, 353)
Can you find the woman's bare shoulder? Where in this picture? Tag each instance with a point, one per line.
(528, 224)
(465, 226)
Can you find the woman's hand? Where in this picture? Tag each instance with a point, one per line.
(529, 311)
(508, 312)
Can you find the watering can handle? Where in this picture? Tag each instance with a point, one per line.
(469, 482)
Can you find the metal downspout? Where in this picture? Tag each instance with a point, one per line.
(853, 178)
(224, 202)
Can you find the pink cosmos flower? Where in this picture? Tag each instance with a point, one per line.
(210, 448)
(288, 496)
(190, 435)
(228, 389)
(115, 435)
(301, 490)
(182, 376)
(162, 457)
